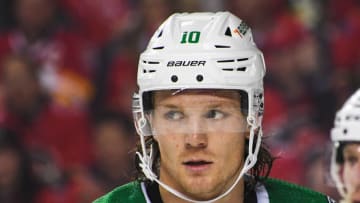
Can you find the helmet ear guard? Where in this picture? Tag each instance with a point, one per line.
(257, 111)
(138, 115)
(201, 51)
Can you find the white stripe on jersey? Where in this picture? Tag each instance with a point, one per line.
(143, 188)
(262, 195)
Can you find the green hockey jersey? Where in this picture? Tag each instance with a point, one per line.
(272, 191)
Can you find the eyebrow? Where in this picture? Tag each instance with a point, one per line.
(210, 104)
(350, 151)
(170, 106)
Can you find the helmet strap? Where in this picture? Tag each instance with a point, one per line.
(146, 160)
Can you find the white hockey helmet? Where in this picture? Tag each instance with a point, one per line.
(201, 51)
(346, 129)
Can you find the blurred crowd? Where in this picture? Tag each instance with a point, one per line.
(68, 71)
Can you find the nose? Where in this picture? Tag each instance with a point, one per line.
(197, 136)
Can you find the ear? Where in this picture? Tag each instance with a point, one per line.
(247, 134)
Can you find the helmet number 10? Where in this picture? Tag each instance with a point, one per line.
(192, 37)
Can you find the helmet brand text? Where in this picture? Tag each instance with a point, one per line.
(185, 63)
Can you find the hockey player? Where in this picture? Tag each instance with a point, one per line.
(345, 163)
(198, 113)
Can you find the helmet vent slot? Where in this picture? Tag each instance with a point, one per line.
(148, 68)
(160, 33)
(242, 59)
(149, 71)
(222, 46)
(153, 62)
(228, 32)
(228, 69)
(242, 69)
(226, 61)
(233, 64)
(232, 60)
(158, 47)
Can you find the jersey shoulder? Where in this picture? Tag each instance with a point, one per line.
(128, 193)
(281, 191)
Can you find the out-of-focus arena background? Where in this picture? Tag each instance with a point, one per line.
(68, 71)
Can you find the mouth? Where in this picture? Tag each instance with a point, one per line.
(197, 165)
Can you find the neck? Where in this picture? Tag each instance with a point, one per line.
(235, 196)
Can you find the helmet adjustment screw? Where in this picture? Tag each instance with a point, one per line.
(199, 78)
(174, 78)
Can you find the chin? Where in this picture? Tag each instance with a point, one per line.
(202, 188)
(200, 194)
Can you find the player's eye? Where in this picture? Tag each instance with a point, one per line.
(174, 115)
(215, 114)
(351, 160)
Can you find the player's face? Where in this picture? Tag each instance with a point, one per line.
(201, 136)
(351, 171)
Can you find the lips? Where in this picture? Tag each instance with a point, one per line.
(197, 165)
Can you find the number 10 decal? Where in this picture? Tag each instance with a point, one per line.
(192, 37)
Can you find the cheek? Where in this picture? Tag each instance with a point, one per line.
(346, 175)
(169, 144)
(231, 146)
(349, 174)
